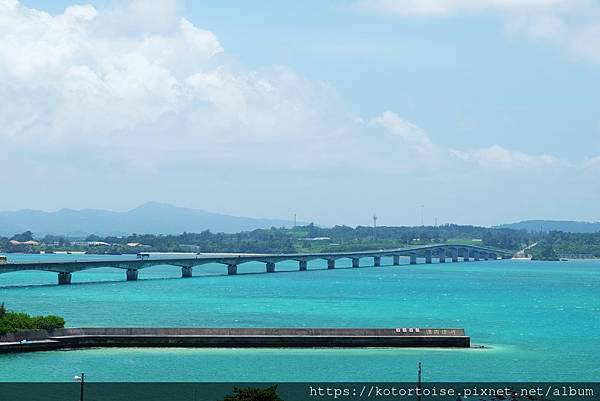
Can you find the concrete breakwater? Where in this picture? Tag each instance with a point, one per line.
(42, 340)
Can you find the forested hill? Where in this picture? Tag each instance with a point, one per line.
(309, 238)
(554, 225)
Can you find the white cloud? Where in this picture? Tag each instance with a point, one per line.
(137, 99)
(88, 79)
(426, 8)
(592, 163)
(140, 74)
(571, 24)
(403, 129)
(493, 157)
(497, 156)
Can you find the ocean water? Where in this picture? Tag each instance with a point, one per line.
(537, 320)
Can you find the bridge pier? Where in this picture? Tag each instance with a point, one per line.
(428, 257)
(454, 253)
(232, 269)
(331, 263)
(376, 261)
(443, 255)
(413, 258)
(303, 265)
(396, 261)
(186, 271)
(465, 255)
(64, 278)
(475, 256)
(355, 262)
(493, 256)
(132, 274)
(270, 267)
(484, 256)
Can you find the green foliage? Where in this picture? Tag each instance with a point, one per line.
(254, 394)
(14, 321)
(333, 239)
(308, 238)
(48, 322)
(544, 251)
(574, 243)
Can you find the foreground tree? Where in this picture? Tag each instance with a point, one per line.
(254, 394)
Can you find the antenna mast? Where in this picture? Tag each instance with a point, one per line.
(374, 226)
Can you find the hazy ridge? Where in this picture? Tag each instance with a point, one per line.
(152, 217)
(554, 225)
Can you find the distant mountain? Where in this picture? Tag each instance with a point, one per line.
(554, 225)
(150, 218)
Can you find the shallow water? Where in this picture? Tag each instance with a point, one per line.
(539, 320)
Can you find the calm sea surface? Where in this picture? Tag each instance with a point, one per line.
(538, 320)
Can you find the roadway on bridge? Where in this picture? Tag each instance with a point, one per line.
(443, 252)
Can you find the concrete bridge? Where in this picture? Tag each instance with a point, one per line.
(442, 252)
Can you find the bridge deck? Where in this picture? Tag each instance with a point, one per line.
(66, 267)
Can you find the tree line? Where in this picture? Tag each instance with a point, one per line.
(309, 238)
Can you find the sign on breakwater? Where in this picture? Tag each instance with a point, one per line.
(37, 340)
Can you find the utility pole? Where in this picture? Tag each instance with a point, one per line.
(294, 220)
(419, 383)
(81, 380)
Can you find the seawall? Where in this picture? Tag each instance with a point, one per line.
(40, 340)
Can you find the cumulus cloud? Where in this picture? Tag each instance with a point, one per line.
(136, 94)
(139, 75)
(89, 79)
(571, 24)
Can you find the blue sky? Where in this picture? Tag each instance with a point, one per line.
(493, 109)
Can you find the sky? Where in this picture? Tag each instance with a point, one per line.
(467, 111)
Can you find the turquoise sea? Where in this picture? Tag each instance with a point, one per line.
(538, 321)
